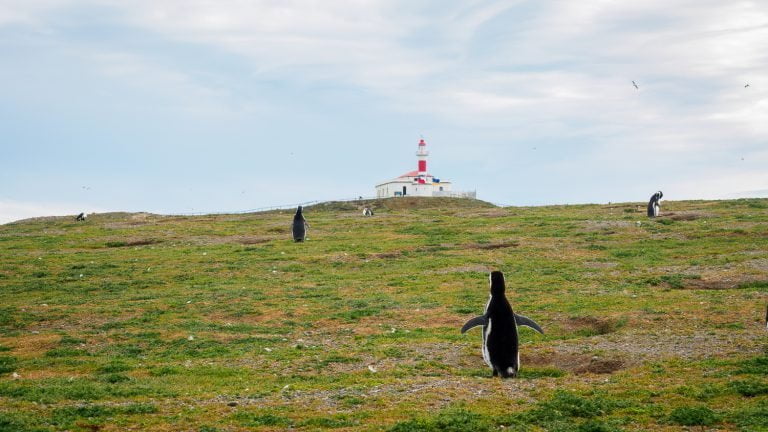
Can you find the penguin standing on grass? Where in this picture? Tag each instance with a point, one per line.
(299, 227)
(653, 204)
(500, 338)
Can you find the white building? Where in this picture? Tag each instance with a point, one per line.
(419, 182)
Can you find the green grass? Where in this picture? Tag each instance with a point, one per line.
(459, 420)
(693, 416)
(219, 323)
(7, 364)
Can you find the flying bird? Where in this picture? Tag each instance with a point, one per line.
(634, 84)
(746, 85)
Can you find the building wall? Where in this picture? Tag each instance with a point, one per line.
(461, 194)
(388, 189)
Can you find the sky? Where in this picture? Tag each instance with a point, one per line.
(189, 106)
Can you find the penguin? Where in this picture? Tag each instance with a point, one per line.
(367, 211)
(653, 204)
(500, 339)
(299, 226)
(80, 217)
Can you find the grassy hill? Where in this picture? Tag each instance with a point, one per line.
(221, 323)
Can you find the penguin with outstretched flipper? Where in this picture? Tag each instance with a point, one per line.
(500, 338)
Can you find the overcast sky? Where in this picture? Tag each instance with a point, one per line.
(193, 105)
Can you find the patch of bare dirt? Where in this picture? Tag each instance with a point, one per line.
(128, 242)
(598, 225)
(33, 344)
(686, 215)
(753, 252)
(342, 257)
(140, 216)
(592, 324)
(465, 269)
(48, 373)
(232, 239)
(252, 240)
(600, 265)
(701, 284)
(759, 264)
(576, 363)
(122, 225)
(624, 208)
(487, 213)
(385, 255)
(446, 353)
(723, 283)
(443, 390)
(278, 229)
(494, 245)
(664, 342)
(669, 236)
(441, 352)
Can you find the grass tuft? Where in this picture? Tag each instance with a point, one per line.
(693, 416)
(753, 366)
(750, 388)
(452, 420)
(251, 419)
(7, 364)
(752, 418)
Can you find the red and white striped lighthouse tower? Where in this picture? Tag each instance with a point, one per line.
(419, 183)
(422, 155)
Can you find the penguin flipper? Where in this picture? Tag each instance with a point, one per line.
(474, 322)
(525, 321)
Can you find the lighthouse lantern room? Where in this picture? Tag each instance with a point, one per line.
(419, 182)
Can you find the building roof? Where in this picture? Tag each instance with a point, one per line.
(409, 181)
(413, 174)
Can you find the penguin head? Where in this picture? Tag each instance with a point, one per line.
(298, 211)
(660, 194)
(497, 283)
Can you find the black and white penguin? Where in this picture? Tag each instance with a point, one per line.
(653, 204)
(299, 226)
(500, 339)
(367, 211)
(80, 217)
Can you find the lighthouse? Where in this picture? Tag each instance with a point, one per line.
(419, 182)
(422, 154)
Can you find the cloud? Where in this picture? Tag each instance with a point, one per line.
(563, 74)
(174, 88)
(723, 185)
(560, 55)
(29, 13)
(519, 72)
